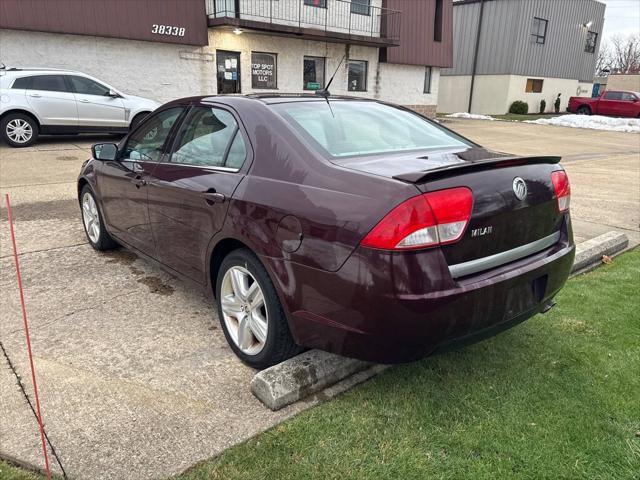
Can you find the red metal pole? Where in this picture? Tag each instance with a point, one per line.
(26, 332)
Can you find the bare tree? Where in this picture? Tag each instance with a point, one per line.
(605, 60)
(625, 53)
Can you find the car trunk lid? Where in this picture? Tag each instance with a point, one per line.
(514, 212)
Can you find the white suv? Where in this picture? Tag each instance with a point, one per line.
(48, 101)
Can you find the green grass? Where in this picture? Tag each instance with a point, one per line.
(10, 472)
(557, 397)
(514, 117)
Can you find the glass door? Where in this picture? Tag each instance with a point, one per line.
(228, 65)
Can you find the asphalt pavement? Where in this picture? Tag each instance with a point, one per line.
(136, 379)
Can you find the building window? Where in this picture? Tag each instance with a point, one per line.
(427, 80)
(539, 30)
(264, 70)
(316, 3)
(592, 39)
(357, 76)
(313, 73)
(361, 7)
(534, 85)
(437, 27)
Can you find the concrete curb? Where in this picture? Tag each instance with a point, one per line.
(589, 254)
(315, 370)
(301, 376)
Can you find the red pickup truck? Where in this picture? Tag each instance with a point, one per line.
(613, 103)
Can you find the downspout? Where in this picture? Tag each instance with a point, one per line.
(475, 56)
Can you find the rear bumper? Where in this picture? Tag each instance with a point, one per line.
(398, 307)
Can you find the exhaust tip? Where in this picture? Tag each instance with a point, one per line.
(548, 306)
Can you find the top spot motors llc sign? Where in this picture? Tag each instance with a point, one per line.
(264, 70)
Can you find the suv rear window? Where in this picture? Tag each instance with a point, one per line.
(22, 83)
(51, 83)
(365, 128)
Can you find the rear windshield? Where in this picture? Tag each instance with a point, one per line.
(365, 128)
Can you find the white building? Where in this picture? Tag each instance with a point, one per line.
(392, 49)
(528, 50)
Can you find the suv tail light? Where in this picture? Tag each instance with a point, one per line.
(435, 218)
(563, 190)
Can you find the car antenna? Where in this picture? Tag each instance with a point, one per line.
(324, 92)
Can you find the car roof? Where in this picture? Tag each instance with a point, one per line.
(621, 91)
(264, 98)
(36, 70)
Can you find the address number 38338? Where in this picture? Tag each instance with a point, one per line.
(168, 30)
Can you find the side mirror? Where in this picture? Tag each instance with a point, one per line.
(105, 151)
(113, 94)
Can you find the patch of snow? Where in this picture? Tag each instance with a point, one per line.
(472, 116)
(594, 122)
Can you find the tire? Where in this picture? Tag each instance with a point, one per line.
(137, 119)
(584, 110)
(278, 344)
(96, 232)
(19, 130)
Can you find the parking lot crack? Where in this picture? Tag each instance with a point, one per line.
(33, 410)
(23, 254)
(73, 312)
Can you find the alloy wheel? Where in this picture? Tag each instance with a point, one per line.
(90, 217)
(19, 130)
(244, 310)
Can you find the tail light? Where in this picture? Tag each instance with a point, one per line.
(431, 219)
(563, 190)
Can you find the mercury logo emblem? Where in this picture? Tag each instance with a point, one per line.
(520, 188)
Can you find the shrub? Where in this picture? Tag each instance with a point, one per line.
(543, 105)
(518, 107)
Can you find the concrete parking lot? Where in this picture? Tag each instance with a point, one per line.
(136, 378)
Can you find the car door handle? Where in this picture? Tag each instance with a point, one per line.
(138, 181)
(37, 95)
(84, 100)
(211, 196)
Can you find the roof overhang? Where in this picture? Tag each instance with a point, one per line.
(302, 32)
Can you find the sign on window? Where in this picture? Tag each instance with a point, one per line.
(264, 70)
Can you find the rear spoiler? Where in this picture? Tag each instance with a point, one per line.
(472, 166)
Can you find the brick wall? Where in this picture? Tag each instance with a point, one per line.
(426, 110)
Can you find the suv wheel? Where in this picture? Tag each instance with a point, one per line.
(250, 312)
(93, 222)
(19, 130)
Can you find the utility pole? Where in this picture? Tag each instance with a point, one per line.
(475, 56)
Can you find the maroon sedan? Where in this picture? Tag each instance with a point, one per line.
(349, 225)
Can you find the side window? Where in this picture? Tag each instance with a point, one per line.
(613, 96)
(237, 153)
(145, 144)
(628, 97)
(87, 86)
(205, 137)
(23, 83)
(51, 83)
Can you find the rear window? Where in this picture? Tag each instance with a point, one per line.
(613, 96)
(22, 83)
(50, 83)
(365, 128)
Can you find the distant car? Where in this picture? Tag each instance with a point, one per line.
(37, 102)
(345, 224)
(612, 103)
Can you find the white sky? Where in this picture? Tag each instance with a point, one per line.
(621, 16)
